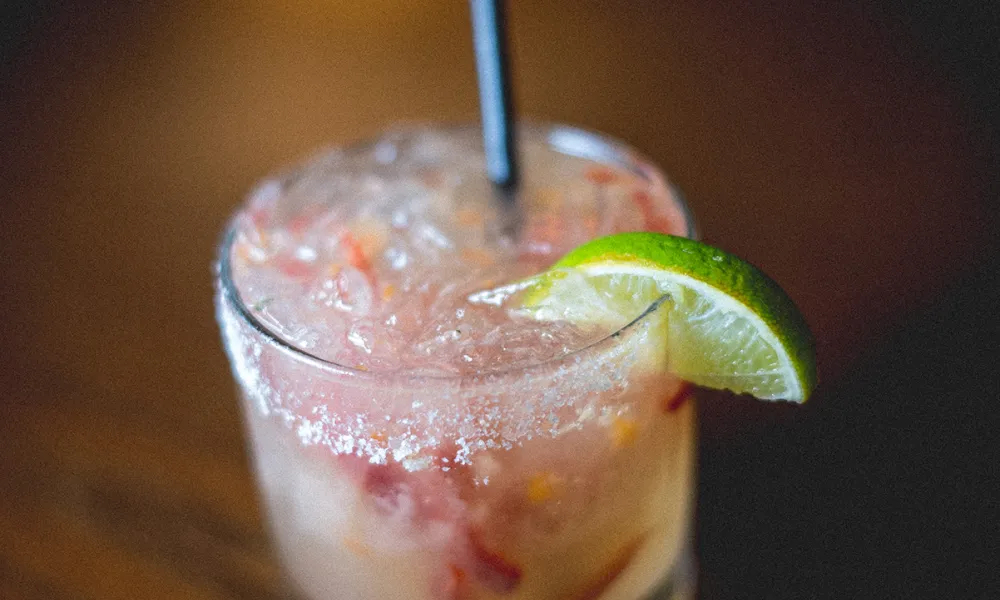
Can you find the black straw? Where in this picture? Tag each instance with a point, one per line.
(489, 33)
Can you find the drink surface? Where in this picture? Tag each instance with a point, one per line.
(371, 258)
(414, 435)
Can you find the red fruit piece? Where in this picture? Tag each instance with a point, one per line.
(653, 221)
(356, 256)
(293, 267)
(493, 571)
(677, 400)
(298, 224)
(385, 484)
(612, 570)
(420, 499)
(600, 175)
(261, 217)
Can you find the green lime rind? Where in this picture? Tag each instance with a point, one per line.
(730, 281)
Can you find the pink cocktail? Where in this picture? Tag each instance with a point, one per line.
(415, 434)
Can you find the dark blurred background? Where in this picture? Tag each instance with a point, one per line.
(849, 150)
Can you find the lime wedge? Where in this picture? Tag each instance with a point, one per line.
(726, 324)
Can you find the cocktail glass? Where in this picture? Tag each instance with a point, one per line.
(569, 478)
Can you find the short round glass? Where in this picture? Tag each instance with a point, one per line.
(566, 477)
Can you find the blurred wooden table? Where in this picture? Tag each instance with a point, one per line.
(819, 142)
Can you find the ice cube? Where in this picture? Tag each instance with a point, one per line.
(498, 295)
(347, 289)
(385, 152)
(306, 253)
(397, 257)
(429, 237)
(361, 336)
(263, 197)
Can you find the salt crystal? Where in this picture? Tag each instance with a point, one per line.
(417, 463)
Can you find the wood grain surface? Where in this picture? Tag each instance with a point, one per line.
(843, 149)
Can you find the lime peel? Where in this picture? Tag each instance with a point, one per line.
(713, 295)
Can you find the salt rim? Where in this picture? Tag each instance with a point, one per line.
(392, 419)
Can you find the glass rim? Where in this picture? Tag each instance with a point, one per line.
(565, 139)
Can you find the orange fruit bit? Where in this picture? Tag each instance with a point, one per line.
(388, 292)
(370, 240)
(356, 255)
(243, 252)
(600, 175)
(624, 431)
(263, 237)
(542, 486)
(379, 436)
